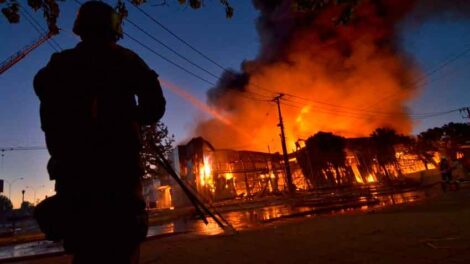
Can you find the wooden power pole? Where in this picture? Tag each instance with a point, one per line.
(290, 185)
(465, 112)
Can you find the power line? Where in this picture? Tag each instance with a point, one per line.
(6, 149)
(238, 93)
(360, 117)
(191, 62)
(168, 60)
(176, 36)
(293, 104)
(192, 47)
(458, 70)
(160, 55)
(40, 29)
(171, 49)
(437, 114)
(270, 91)
(347, 110)
(351, 112)
(40, 33)
(243, 95)
(369, 115)
(189, 45)
(464, 110)
(444, 64)
(423, 78)
(428, 74)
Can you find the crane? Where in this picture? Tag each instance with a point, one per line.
(13, 59)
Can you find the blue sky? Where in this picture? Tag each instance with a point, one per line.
(227, 41)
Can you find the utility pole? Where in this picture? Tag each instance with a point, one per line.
(10, 183)
(466, 112)
(290, 185)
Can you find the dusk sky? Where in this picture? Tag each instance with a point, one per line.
(227, 41)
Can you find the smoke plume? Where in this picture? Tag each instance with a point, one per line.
(346, 78)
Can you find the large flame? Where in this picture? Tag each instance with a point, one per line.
(206, 179)
(347, 79)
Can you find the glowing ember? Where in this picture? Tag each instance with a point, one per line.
(205, 174)
(357, 174)
(370, 178)
(228, 176)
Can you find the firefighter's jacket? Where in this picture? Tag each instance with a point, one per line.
(94, 99)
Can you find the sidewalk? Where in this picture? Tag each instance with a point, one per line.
(433, 231)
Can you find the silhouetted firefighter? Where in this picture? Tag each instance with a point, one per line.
(92, 122)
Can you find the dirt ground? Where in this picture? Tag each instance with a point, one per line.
(433, 231)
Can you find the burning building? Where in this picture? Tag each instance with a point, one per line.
(226, 174)
(357, 161)
(220, 174)
(347, 78)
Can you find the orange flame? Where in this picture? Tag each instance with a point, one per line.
(348, 79)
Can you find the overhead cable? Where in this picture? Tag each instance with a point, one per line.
(40, 29)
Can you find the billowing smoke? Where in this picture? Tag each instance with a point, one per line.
(346, 78)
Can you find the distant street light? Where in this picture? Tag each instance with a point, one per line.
(10, 183)
(34, 191)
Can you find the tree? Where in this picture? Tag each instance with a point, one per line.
(5, 206)
(27, 208)
(347, 8)
(454, 135)
(326, 153)
(426, 144)
(446, 138)
(51, 9)
(155, 137)
(384, 140)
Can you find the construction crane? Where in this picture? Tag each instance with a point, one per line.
(6, 149)
(12, 60)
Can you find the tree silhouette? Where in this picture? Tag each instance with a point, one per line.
(27, 208)
(454, 135)
(51, 8)
(426, 144)
(326, 153)
(5, 206)
(347, 8)
(447, 138)
(365, 155)
(155, 137)
(384, 140)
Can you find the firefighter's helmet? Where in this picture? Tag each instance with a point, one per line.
(97, 19)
